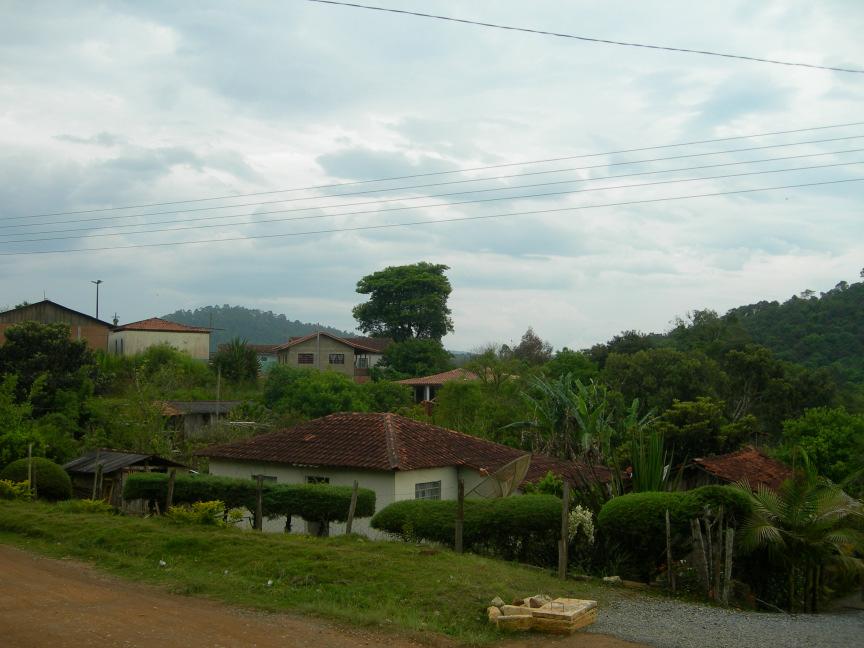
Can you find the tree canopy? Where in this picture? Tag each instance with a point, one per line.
(405, 302)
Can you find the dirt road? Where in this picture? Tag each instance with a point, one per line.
(58, 604)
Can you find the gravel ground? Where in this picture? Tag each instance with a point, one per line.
(672, 624)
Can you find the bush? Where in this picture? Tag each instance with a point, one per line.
(312, 502)
(526, 527)
(85, 506)
(638, 521)
(11, 490)
(205, 513)
(50, 480)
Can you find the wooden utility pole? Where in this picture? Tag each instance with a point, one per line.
(169, 496)
(259, 503)
(352, 508)
(460, 516)
(670, 571)
(562, 543)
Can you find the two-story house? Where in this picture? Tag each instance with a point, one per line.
(353, 357)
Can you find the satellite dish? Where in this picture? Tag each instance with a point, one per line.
(504, 481)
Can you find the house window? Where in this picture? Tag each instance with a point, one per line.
(315, 479)
(337, 358)
(305, 358)
(428, 490)
(265, 478)
(361, 362)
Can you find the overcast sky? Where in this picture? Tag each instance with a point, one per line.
(114, 104)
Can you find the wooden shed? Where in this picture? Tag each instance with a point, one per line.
(116, 466)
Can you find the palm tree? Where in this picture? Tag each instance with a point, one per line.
(807, 527)
(237, 361)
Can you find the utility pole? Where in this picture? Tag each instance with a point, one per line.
(97, 282)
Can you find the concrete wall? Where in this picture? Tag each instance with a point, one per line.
(129, 343)
(388, 486)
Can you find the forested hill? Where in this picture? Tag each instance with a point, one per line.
(824, 330)
(255, 326)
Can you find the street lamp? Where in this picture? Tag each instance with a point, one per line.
(97, 282)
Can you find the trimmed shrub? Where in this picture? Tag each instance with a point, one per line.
(51, 481)
(11, 490)
(638, 521)
(317, 502)
(525, 528)
(312, 502)
(85, 506)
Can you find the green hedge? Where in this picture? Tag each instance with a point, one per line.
(312, 502)
(526, 527)
(51, 481)
(636, 523)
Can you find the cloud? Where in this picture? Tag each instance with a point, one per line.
(136, 103)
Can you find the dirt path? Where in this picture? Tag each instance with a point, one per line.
(45, 602)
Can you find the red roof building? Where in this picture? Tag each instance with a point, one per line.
(353, 357)
(748, 464)
(426, 387)
(137, 337)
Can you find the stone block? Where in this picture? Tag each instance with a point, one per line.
(493, 612)
(564, 609)
(515, 622)
(508, 610)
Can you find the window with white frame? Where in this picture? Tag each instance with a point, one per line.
(337, 358)
(428, 490)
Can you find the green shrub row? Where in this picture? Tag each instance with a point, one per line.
(636, 523)
(50, 480)
(525, 527)
(312, 502)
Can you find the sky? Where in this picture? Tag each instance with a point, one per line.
(118, 104)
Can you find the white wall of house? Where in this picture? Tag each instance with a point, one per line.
(129, 343)
(388, 486)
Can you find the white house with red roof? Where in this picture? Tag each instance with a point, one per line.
(137, 337)
(397, 457)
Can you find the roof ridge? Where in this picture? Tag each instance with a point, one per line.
(390, 438)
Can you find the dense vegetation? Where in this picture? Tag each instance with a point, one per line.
(255, 326)
(825, 330)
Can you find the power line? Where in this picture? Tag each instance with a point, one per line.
(590, 39)
(439, 184)
(430, 222)
(434, 173)
(434, 205)
(403, 199)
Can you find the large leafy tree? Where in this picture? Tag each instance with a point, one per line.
(413, 358)
(832, 437)
(405, 302)
(52, 368)
(532, 349)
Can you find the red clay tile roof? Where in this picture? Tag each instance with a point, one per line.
(159, 324)
(748, 463)
(257, 348)
(436, 380)
(387, 442)
(372, 345)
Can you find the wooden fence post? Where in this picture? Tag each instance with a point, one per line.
(259, 503)
(670, 570)
(562, 543)
(30, 485)
(460, 516)
(727, 567)
(169, 496)
(351, 509)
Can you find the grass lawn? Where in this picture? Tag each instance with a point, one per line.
(349, 579)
